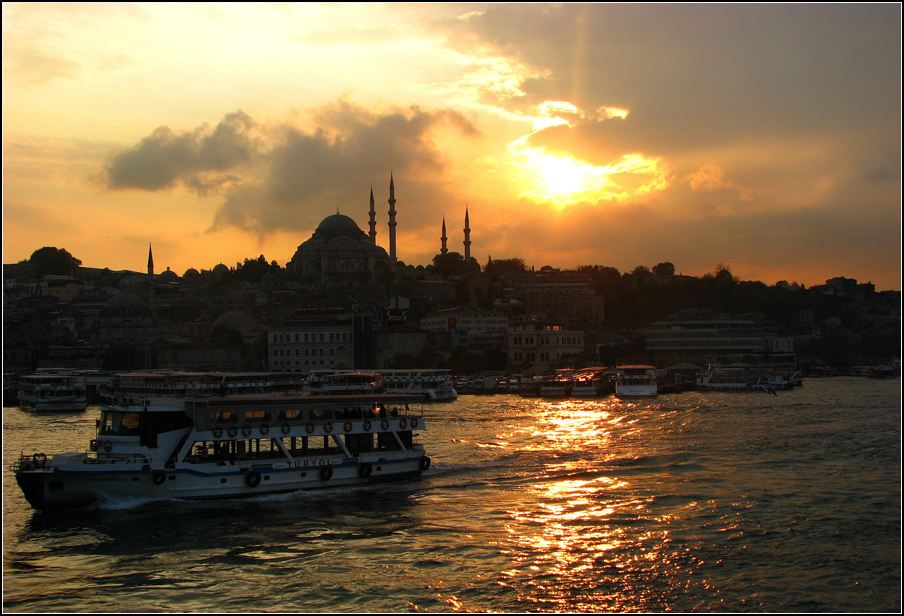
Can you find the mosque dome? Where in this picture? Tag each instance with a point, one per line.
(235, 320)
(338, 221)
(168, 276)
(191, 273)
(125, 305)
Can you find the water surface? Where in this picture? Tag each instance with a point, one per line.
(687, 502)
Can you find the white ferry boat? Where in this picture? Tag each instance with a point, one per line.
(746, 378)
(150, 386)
(229, 447)
(435, 385)
(332, 383)
(636, 382)
(52, 390)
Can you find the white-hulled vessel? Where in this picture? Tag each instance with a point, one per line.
(636, 382)
(228, 447)
(331, 383)
(53, 391)
(152, 385)
(434, 384)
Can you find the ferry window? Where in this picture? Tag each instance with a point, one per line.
(121, 424)
(255, 415)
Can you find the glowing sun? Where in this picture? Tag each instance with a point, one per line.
(562, 176)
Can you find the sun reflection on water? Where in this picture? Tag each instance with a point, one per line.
(584, 527)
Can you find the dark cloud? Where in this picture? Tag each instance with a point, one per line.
(291, 178)
(697, 75)
(166, 158)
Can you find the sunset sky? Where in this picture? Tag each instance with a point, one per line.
(763, 137)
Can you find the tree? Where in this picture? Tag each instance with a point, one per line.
(664, 269)
(252, 270)
(723, 273)
(501, 267)
(54, 261)
(449, 264)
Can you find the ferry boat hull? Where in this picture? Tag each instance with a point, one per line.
(219, 448)
(67, 486)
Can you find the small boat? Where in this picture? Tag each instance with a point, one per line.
(53, 390)
(636, 382)
(888, 371)
(591, 384)
(435, 385)
(529, 387)
(231, 447)
(555, 386)
(744, 377)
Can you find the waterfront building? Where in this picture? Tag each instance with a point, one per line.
(717, 341)
(467, 327)
(312, 341)
(565, 297)
(540, 348)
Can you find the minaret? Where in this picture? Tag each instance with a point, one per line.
(151, 282)
(392, 221)
(444, 249)
(467, 237)
(373, 218)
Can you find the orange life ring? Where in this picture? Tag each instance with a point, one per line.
(384, 424)
(403, 423)
(328, 427)
(309, 428)
(108, 446)
(414, 422)
(366, 425)
(348, 426)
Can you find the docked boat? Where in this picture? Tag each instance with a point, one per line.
(330, 383)
(591, 384)
(230, 447)
(52, 391)
(556, 386)
(743, 377)
(529, 387)
(435, 385)
(636, 382)
(151, 386)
